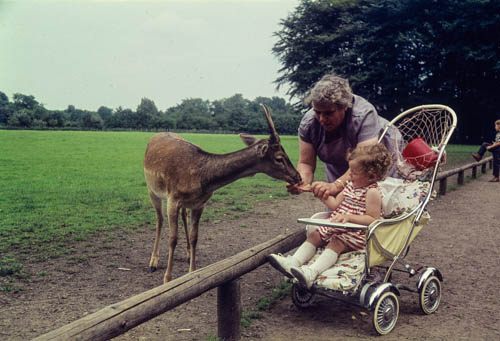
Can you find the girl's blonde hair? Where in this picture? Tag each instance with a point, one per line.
(373, 159)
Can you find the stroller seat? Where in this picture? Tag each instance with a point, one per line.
(400, 198)
(345, 275)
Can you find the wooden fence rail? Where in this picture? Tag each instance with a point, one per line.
(116, 319)
(442, 177)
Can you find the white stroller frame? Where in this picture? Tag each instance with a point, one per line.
(435, 124)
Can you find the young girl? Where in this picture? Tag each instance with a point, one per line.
(360, 202)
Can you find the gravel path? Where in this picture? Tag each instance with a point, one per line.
(462, 240)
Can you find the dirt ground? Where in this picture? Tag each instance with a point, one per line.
(461, 240)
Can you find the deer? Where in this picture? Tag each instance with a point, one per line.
(185, 176)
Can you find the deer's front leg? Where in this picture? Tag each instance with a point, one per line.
(193, 237)
(173, 213)
(155, 256)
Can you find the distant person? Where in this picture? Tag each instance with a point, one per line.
(494, 148)
(360, 202)
(338, 121)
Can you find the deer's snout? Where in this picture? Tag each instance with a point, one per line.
(297, 179)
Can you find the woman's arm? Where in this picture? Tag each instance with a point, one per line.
(307, 161)
(306, 166)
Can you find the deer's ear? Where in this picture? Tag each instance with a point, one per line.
(262, 150)
(248, 139)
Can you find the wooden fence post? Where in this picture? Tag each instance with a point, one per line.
(460, 179)
(483, 168)
(229, 310)
(442, 186)
(474, 172)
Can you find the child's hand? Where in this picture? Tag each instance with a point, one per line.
(323, 190)
(340, 218)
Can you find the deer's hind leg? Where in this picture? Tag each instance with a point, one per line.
(185, 222)
(173, 215)
(155, 256)
(193, 236)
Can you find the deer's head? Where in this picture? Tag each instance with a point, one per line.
(273, 159)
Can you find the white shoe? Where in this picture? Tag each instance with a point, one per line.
(305, 275)
(282, 263)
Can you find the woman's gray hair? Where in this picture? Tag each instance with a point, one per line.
(330, 89)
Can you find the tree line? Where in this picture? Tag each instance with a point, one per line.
(235, 114)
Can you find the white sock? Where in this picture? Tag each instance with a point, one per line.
(324, 261)
(304, 253)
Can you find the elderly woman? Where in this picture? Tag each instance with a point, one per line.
(339, 121)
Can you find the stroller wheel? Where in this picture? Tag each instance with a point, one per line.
(386, 313)
(301, 297)
(430, 295)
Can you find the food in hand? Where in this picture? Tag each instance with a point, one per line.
(305, 188)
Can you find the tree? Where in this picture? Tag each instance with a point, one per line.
(278, 107)
(56, 119)
(92, 120)
(399, 53)
(24, 101)
(4, 99)
(105, 112)
(114, 121)
(193, 113)
(163, 121)
(233, 113)
(146, 113)
(75, 116)
(220, 115)
(39, 113)
(21, 118)
(123, 118)
(5, 108)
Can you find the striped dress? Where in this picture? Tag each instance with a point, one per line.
(354, 203)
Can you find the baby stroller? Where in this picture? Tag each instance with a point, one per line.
(364, 278)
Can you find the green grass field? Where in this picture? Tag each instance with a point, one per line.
(57, 185)
(68, 185)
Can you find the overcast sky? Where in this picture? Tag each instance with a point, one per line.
(89, 53)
